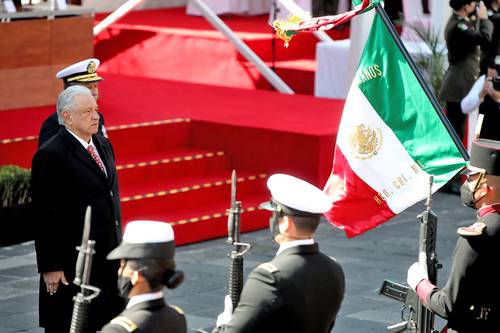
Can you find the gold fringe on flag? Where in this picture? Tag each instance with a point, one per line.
(285, 30)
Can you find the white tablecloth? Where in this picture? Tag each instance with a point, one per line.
(246, 7)
(332, 66)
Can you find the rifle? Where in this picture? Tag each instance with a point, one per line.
(419, 319)
(239, 249)
(82, 276)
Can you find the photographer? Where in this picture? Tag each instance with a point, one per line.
(486, 94)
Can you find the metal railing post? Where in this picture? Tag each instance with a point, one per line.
(243, 48)
(116, 15)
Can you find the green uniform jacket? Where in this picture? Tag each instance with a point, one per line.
(154, 316)
(300, 290)
(473, 283)
(462, 40)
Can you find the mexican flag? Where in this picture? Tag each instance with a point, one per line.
(389, 141)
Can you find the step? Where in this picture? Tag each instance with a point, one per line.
(149, 137)
(189, 196)
(177, 164)
(298, 74)
(210, 222)
(302, 46)
(18, 151)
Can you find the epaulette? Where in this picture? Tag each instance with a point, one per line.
(333, 258)
(126, 323)
(462, 26)
(267, 266)
(178, 309)
(471, 231)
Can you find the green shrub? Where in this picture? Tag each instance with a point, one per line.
(14, 185)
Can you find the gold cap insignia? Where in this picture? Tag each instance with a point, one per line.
(91, 67)
(365, 142)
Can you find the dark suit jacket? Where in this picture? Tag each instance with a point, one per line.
(300, 290)
(65, 179)
(473, 283)
(149, 317)
(51, 126)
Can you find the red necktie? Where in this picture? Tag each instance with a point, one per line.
(96, 158)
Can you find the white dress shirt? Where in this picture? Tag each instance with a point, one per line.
(290, 244)
(86, 146)
(144, 298)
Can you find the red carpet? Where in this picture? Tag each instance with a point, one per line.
(168, 44)
(177, 169)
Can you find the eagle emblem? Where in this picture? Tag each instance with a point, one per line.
(365, 142)
(91, 67)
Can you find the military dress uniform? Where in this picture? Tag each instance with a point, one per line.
(154, 316)
(148, 312)
(470, 300)
(301, 289)
(463, 41)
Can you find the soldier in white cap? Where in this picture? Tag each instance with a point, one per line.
(82, 73)
(147, 266)
(301, 289)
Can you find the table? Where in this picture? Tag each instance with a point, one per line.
(333, 78)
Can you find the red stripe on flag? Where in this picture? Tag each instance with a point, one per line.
(357, 207)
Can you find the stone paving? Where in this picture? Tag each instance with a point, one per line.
(385, 252)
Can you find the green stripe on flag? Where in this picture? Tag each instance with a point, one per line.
(386, 79)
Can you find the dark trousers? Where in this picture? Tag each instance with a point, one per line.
(456, 118)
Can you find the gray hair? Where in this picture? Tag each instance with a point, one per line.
(66, 99)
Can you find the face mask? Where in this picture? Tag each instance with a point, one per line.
(467, 195)
(124, 286)
(273, 224)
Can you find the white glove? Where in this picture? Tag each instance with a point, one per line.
(418, 271)
(225, 317)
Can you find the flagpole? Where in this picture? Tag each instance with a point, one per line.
(418, 75)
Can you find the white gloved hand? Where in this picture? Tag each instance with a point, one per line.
(418, 271)
(225, 317)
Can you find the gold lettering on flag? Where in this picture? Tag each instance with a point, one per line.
(368, 73)
(365, 142)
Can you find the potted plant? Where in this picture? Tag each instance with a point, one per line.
(16, 216)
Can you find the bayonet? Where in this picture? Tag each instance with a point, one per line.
(82, 278)
(239, 249)
(416, 317)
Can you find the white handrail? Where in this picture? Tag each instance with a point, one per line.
(243, 48)
(116, 15)
(295, 9)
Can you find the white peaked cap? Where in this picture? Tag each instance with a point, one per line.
(148, 232)
(83, 71)
(145, 239)
(298, 194)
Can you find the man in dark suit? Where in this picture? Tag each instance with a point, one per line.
(301, 289)
(147, 265)
(470, 299)
(72, 170)
(82, 73)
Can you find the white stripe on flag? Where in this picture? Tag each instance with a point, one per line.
(391, 172)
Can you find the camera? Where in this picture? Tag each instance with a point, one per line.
(496, 83)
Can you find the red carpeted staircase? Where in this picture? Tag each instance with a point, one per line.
(177, 143)
(168, 44)
(163, 177)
